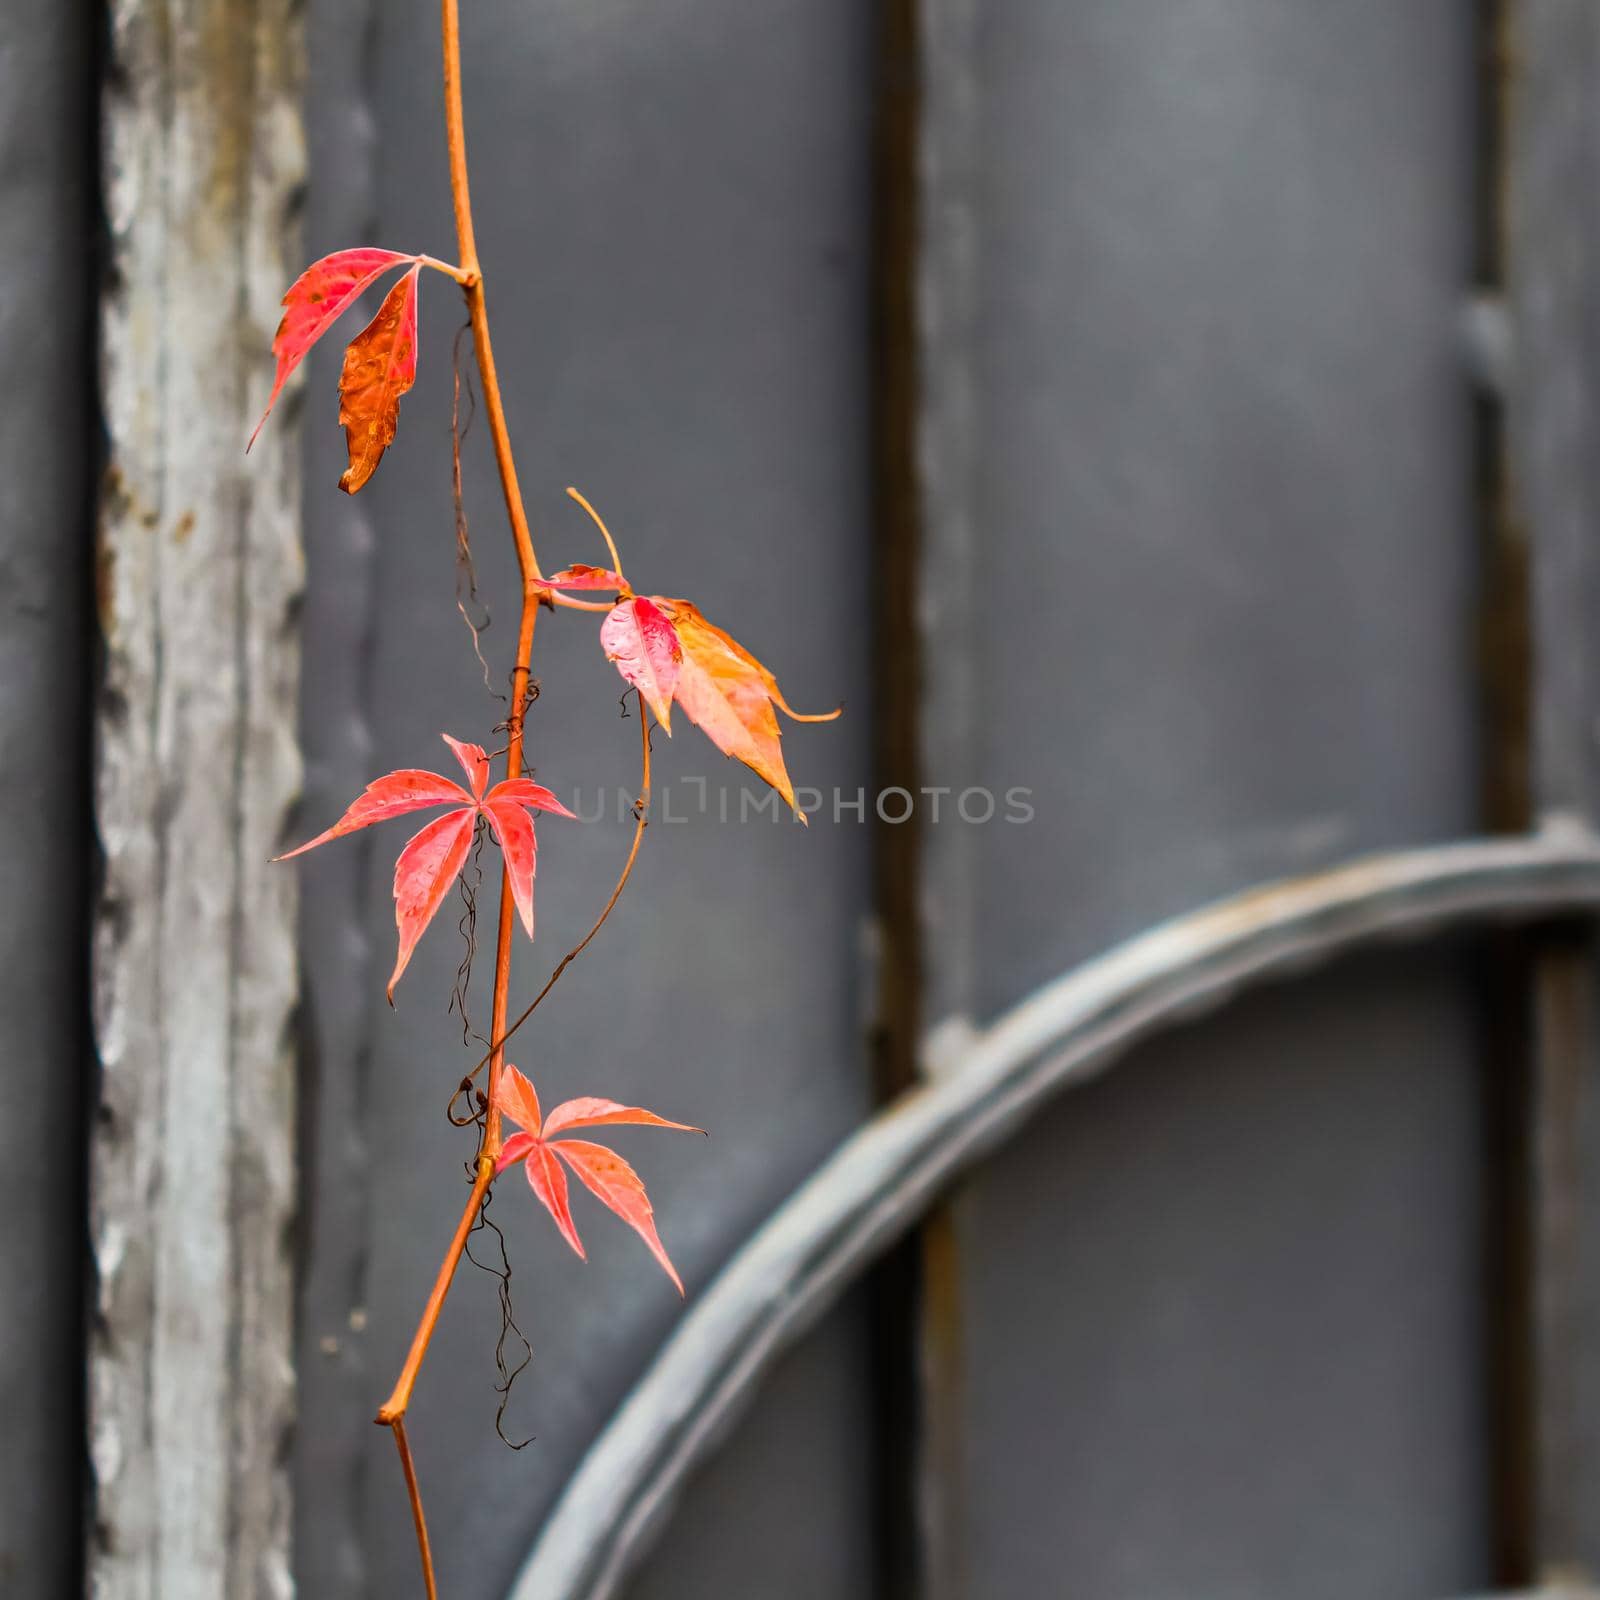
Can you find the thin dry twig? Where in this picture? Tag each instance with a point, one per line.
(467, 927)
(505, 1374)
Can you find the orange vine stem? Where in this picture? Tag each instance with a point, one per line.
(527, 561)
(408, 1466)
(393, 1409)
(469, 275)
(641, 822)
(471, 278)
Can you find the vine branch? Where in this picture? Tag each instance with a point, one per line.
(665, 649)
(641, 821)
(470, 276)
(409, 1467)
(471, 279)
(394, 1408)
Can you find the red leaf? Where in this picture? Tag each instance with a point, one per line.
(422, 877)
(641, 640)
(607, 1176)
(602, 1171)
(431, 861)
(315, 301)
(473, 762)
(580, 575)
(515, 1149)
(391, 796)
(550, 1184)
(587, 1112)
(519, 1100)
(380, 365)
(528, 793)
(513, 828)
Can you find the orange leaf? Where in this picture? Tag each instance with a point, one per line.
(668, 651)
(380, 365)
(728, 695)
(315, 301)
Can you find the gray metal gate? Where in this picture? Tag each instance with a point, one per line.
(1179, 443)
(1175, 418)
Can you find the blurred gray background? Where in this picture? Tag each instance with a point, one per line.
(1082, 391)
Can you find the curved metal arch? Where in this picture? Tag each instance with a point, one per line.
(883, 1177)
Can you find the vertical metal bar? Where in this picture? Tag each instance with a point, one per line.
(194, 957)
(947, 488)
(899, 659)
(1551, 244)
(1567, 1538)
(944, 492)
(895, 1287)
(46, 462)
(947, 485)
(925, 255)
(1504, 654)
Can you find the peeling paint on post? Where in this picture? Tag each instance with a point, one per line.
(197, 763)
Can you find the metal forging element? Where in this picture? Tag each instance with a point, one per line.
(881, 1179)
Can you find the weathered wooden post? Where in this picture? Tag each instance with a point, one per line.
(194, 959)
